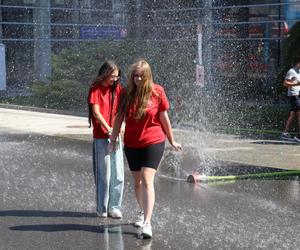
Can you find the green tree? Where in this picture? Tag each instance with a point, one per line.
(74, 69)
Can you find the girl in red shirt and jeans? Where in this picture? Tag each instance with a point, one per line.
(108, 167)
(144, 108)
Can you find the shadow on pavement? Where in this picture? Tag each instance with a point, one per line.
(38, 213)
(76, 227)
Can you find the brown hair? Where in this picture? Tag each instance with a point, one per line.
(105, 70)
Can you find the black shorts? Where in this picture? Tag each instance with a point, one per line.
(149, 157)
(295, 103)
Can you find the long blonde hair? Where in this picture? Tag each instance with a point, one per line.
(138, 96)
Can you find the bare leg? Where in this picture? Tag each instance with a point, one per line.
(289, 121)
(138, 187)
(148, 192)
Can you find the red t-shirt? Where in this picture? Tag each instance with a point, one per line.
(102, 96)
(148, 130)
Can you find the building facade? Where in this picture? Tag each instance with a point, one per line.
(241, 39)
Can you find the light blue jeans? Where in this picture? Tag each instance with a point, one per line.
(109, 175)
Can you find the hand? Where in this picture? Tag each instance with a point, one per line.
(109, 131)
(176, 146)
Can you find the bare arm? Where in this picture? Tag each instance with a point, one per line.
(165, 121)
(117, 126)
(291, 83)
(99, 117)
(113, 138)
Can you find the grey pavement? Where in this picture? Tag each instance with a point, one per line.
(48, 194)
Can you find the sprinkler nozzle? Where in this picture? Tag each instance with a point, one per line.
(196, 177)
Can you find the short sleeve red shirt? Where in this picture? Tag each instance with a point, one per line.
(147, 130)
(102, 96)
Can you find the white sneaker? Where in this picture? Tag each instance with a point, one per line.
(102, 215)
(286, 137)
(140, 220)
(115, 213)
(297, 139)
(147, 230)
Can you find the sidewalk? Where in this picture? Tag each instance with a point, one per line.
(44, 123)
(48, 199)
(198, 147)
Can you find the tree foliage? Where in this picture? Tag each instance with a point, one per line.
(74, 68)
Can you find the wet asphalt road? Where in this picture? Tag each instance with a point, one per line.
(47, 202)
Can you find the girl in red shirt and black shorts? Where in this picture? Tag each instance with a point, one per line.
(144, 108)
